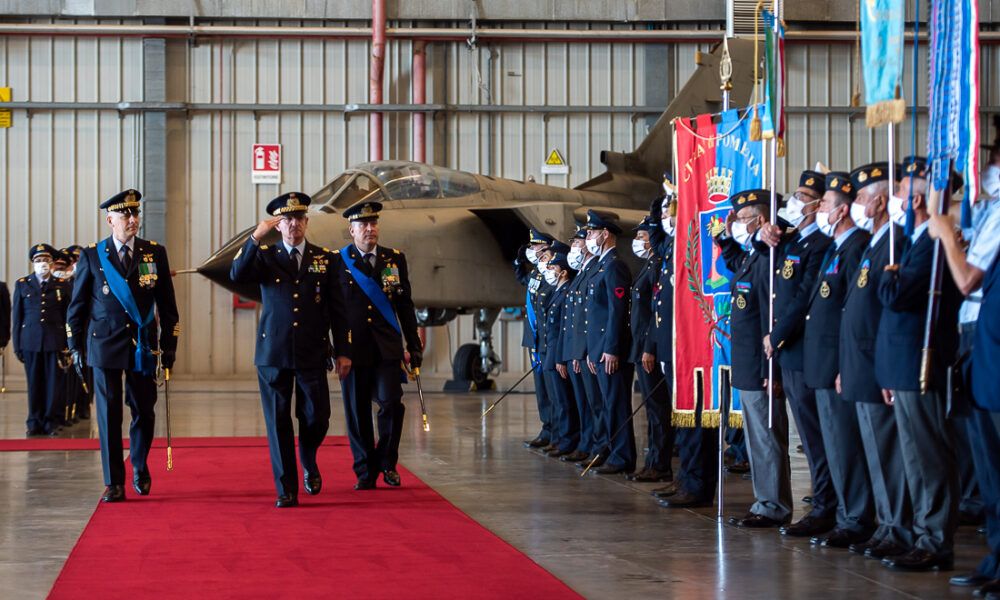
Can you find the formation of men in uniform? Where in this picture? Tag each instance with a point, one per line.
(853, 260)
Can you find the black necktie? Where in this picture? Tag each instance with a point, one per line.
(370, 259)
(126, 260)
(294, 254)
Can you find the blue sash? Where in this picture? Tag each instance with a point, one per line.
(144, 362)
(371, 289)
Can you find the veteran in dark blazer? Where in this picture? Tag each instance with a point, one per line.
(375, 283)
(123, 311)
(302, 329)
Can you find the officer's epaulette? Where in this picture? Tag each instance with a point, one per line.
(394, 251)
(325, 249)
(263, 246)
(336, 251)
(152, 243)
(92, 246)
(22, 280)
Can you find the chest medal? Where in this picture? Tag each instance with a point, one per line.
(741, 302)
(863, 275)
(824, 290)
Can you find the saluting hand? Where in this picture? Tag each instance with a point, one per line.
(264, 227)
(770, 234)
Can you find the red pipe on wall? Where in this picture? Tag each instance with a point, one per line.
(375, 79)
(419, 97)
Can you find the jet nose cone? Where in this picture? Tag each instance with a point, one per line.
(216, 267)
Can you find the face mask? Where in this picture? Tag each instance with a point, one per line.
(41, 269)
(859, 218)
(594, 247)
(59, 274)
(551, 277)
(639, 249)
(741, 233)
(531, 256)
(896, 212)
(542, 266)
(668, 226)
(794, 208)
(575, 258)
(824, 224)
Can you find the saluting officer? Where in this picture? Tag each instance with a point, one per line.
(375, 282)
(566, 420)
(302, 303)
(39, 332)
(798, 257)
(608, 341)
(528, 273)
(876, 423)
(121, 288)
(768, 447)
(925, 432)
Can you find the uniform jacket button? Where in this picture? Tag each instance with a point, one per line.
(295, 295)
(295, 324)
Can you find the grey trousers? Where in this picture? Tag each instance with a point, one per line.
(925, 436)
(841, 440)
(768, 449)
(885, 471)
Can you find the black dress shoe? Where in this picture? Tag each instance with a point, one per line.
(365, 484)
(919, 559)
(990, 591)
(114, 493)
(583, 464)
(808, 526)
(885, 550)
(966, 518)
(738, 468)
(652, 476)
(34, 432)
(755, 521)
(538, 442)
(557, 453)
(736, 520)
(632, 476)
(973, 579)
(807, 499)
(54, 432)
(141, 483)
(312, 482)
(610, 470)
(683, 499)
(286, 501)
(841, 538)
(666, 491)
(83, 414)
(575, 456)
(391, 477)
(862, 548)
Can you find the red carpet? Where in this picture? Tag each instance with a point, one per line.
(42, 444)
(210, 530)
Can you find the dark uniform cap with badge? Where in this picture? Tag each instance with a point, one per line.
(558, 247)
(126, 201)
(581, 233)
(840, 182)
(42, 250)
(596, 220)
(918, 167)
(61, 256)
(363, 211)
(645, 224)
(559, 259)
(869, 174)
(539, 237)
(813, 180)
(290, 203)
(73, 251)
(759, 197)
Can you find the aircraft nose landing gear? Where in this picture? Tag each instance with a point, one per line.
(474, 363)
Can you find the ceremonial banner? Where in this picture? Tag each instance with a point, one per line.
(882, 60)
(773, 122)
(953, 131)
(712, 162)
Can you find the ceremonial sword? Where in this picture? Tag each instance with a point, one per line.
(622, 426)
(511, 389)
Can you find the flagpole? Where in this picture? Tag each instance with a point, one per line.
(725, 75)
(892, 191)
(775, 126)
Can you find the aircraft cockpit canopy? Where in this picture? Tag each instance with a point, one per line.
(393, 180)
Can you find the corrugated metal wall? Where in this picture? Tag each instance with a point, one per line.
(56, 166)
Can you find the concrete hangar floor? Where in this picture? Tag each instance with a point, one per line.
(602, 536)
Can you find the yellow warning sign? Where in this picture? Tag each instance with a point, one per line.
(555, 164)
(5, 115)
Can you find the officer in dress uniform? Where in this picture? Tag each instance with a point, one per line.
(660, 434)
(859, 325)
(66, 395)
(798, 257)
(302, 303)
(768, 447)
(121, 288)
(838, 418)
(375, 282)
(528, 274)
(608, 341)
(78, 397)
(574, 352)
(565, 418)
(39, 333)
(4, 317)
(925, 431)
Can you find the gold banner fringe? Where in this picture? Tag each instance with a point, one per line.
(755, 127)
(883, 113)
(711, 420)
(682, 419)
(735, 419)
(781, 147)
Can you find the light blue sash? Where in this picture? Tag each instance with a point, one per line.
(144, 361)
(372, 289)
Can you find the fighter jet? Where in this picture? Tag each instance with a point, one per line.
(460, 231)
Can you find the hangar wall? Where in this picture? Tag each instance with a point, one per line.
(56, 165)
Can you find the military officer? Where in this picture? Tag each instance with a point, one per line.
(797, 262)
(660, 434)
(857, 384)
(375, 283)
(574, 352)
(39, 334)
(121, 286)
(528, 273)
(924, 428)
(4, 316)
(79, 398)
(768, 446)
(608, 341)
(302, 304)
(566, 420)
(838, 419)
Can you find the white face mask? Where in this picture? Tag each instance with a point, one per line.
(824, 224)
(741, 233)
(59, 274)
(639, 249)
(668, 226)
(551, 277)
(41, 269)
(896, 212)
(575, 258)
(542, 265)
(594, 247)
(531, 255)
(794, 208)
(860, 219)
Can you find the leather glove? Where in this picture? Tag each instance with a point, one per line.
(78, 358)
(416, 359)
(655, 207)
(521, 258)
(168, 358)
